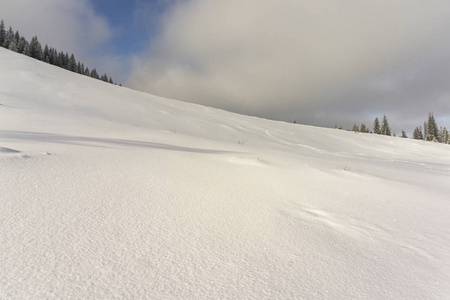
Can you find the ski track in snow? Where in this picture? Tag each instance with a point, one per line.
(109, 193)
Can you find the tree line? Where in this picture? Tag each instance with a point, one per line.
(15, 42)
(430, 131)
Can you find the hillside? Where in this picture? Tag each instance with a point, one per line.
(111, 193)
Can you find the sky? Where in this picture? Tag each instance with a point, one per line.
(318, 62)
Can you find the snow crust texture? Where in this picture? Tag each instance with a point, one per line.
(109, 193)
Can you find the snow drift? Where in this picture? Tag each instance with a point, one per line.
(106, 192)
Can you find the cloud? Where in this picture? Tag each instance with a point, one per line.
(319, 62)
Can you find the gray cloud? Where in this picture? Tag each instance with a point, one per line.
(318, 62)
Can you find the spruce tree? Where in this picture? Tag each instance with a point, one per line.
(376, 126)
(2, 33)
(446, 137)
(432, 129)
(13, 46)
(46, 54)
(94, 74)
(9, 38)
(72, 63)
(363, 128)
(416, 133)
(385, 130)
(404, 134)
(17, 37)
(425, 128)
(22, 45)
(35, 49)
(355, 128)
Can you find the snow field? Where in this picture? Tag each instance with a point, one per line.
(110, 193)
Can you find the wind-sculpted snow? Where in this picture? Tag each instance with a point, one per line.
(110, 193)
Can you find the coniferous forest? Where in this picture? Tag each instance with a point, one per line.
(15, 42)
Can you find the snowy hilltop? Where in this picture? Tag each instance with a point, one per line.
(111, 193)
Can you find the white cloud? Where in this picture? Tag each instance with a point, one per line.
(298, 59)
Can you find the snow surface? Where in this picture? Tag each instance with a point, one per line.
(109, 193)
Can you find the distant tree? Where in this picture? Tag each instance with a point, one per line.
(355, 128)
(446, 137)
(64, 60)
(104, 78)
(2, 33)
(385, 130)
(46, 54)
(94, 74)
(57, 57)
(17, 37)
(9, 38)
(111, 81)
(432, 129)
(22, 46)
(404, 134)
(13, 46)
(425, 129)
(35, 49)
(80, 68)
(363, 128)
(376, 126)
(72, 63)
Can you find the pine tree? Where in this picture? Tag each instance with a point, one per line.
(404, 134)
(363, 128)
(64, 57)
(17, 37)
(446, 137)
(94, 74)
(440, 135)
(104, 78)
(376, 126)
(416, 134)
(46, 54)
(425, 129)
(35, 49)
(9, 38)
(355, 128)
(2, 33)
(385, 130)
(72, 63)
(13, 46)
(432, 129)
(22, 46)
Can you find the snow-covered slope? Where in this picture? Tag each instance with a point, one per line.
(109, 193)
